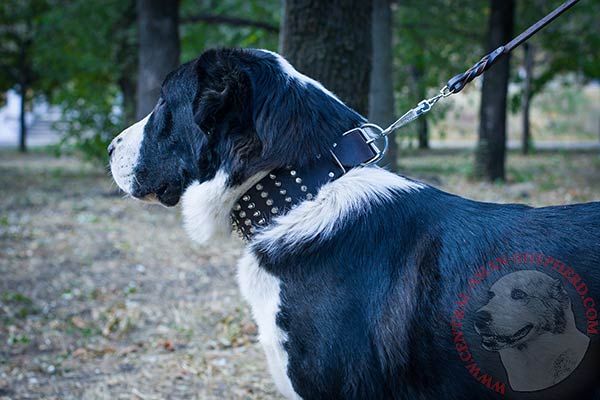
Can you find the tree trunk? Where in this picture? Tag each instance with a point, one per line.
(158, 49)
(381, 96)
(22, 124)
(127, 54)
(528, 50)
(491, 149)
(419, 88)
(24, 72)
(127, 85)
(423, 132)
(330, 41)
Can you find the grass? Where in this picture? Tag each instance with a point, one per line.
(546, 177)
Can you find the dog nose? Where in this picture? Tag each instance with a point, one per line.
(483, 319)
(112, 146)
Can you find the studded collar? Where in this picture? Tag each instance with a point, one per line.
(284, 188)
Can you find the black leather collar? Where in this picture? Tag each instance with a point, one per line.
(284, 188)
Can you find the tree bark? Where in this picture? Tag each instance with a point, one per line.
(24, 72)
(158, 49)
(22, 124)
(423, 128)
(419, 88)
(381, 95)
(491, 148)
(528, 50)
(127, 54)
(330, 41)
(127, 85)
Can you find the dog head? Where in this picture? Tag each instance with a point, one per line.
(521, 306)
(221, 123)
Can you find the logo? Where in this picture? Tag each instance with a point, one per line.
(522, 310)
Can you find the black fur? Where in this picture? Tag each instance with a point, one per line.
(234, 109)
(367, 311)
(342, 341)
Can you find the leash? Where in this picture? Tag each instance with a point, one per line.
(458, 82)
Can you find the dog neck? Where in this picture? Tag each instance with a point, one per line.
(286, 187)
(540, 364)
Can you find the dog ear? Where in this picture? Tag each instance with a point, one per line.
(558, 292)
(297, 122)
(294, 121)
(225, 99)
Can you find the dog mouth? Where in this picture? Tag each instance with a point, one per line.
(161, 195)
(168, 194)
(149, 198)
(493, 342)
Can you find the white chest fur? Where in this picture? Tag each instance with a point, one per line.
(261, 291)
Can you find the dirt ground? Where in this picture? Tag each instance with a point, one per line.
(103, 297)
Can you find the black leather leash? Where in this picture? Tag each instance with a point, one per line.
(458, 82)
(283, 188)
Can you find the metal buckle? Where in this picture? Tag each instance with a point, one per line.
(370, 139)
(338, 162)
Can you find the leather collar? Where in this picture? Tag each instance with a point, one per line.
(284, 188)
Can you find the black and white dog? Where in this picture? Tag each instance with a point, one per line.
(359, 279)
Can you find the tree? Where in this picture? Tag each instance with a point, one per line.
(528, 50)
(87, 53)
(437, 40)
(158, 49)
(491, 148)
(568, 45)
(19, 25)
(227, 23)
(330, 41)
(417, 74)
(381, 96)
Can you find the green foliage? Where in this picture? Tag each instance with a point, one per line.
(567, 46)
(20, 24)
(199, 36)
(74, 54)
(438, 39)
(82, 54)
(434, 41)
(87, 49)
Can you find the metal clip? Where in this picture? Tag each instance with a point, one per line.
(423, 107)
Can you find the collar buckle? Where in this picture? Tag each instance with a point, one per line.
(358, 146)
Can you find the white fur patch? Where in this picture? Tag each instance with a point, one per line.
(350, 195)
(261, 290)
(293, 73)
(206, 206)
(126, 153)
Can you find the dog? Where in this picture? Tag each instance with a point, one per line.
(351, 271)
(539, 342)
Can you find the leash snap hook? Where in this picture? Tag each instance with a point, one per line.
(423, 107)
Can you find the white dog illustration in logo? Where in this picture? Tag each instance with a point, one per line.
(529, 321)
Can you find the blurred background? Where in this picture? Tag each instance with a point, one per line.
(104, 297)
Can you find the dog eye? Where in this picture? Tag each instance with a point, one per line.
(518, 294)
(491, 295)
